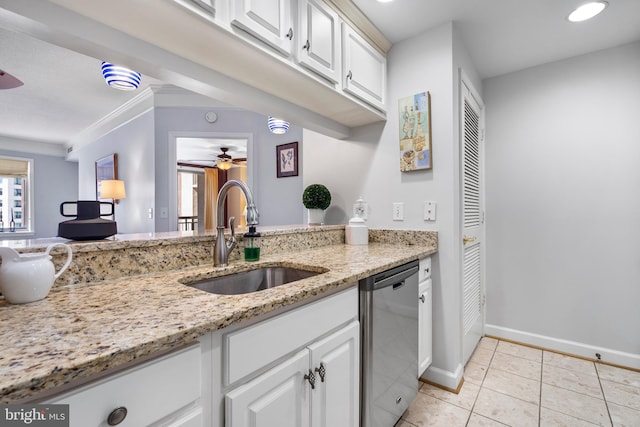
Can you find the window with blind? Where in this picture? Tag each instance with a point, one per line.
(16, 202)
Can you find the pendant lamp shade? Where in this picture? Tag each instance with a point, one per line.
(120, 77)
(277, 126)
(7, 81)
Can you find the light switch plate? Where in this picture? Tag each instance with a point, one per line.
(429, 211)
(398, 211)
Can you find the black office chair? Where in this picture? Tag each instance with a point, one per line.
(87, 223)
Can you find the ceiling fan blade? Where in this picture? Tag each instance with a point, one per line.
(7, 81)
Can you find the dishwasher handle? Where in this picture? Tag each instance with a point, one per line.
(391, 277)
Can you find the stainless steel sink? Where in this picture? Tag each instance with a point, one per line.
(251, 281)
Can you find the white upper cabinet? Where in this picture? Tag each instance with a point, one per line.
(208, 6)
(267, 20)
(318, 45)
(365, 69)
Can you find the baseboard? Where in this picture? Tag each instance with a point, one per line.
(445, 379)
(608, 356)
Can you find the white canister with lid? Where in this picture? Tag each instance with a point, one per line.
(356, 232)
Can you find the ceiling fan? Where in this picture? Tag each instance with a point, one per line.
(224, 161)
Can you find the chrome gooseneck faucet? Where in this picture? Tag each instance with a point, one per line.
(222, 248)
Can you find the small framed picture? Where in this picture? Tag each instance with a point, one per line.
(287, 160)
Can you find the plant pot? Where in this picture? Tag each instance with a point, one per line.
(315, 217)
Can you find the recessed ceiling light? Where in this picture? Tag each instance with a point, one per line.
(587, 11)
(385, 1)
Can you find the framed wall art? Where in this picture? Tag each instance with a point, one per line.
(415, 132)
(287, 160)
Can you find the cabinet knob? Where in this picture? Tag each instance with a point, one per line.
(422, 298)
(290, 34)
(349, 75)
(306, 46)
(117, 416)
(311, 378)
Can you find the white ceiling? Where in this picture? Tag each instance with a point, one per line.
(508, 35)
(64, 92)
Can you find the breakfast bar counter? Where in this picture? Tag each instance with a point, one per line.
(84, 328)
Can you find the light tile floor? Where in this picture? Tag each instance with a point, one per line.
(513, 385)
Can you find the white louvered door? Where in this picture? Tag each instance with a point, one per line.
(472, 220)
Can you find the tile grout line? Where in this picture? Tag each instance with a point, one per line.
(604, 397)
(493, 353)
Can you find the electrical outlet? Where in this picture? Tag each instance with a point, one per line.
(398, 211)
(429, 211)
(150, 213)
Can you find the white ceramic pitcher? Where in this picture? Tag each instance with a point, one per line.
(28, 277)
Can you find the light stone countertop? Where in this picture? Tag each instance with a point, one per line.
(79, 331)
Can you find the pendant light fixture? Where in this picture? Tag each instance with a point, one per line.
(7, 81)
(119, 77)
(277, 126)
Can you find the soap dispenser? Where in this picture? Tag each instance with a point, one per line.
(252, 244)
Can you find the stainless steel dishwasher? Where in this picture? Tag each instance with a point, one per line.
(389, 350)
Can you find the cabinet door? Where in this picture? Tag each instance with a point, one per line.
(318, 47)
(277, 398)
(335, 362)
(268, 20)
(425, 326)
(208, 6)
(364, 68)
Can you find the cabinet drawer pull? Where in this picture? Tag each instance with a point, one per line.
(311, 378)
(321, 372)
(290, 34)
(422, 298)
(117, 416)
(306, 46)
(349, 75)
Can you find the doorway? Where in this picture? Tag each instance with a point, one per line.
(472, 215)
(202, 165)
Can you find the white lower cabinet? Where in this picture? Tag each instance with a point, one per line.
(425, 316)
(317, 387)
(162, 392)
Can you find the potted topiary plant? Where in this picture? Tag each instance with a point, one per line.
(316, 198)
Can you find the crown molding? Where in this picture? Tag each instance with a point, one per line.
(11, 143)
(358, 20)
(128, 111)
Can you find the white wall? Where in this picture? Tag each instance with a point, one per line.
(367, 164)
(276, 198)
(563, 181)
(55, 181)
(134, 144)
